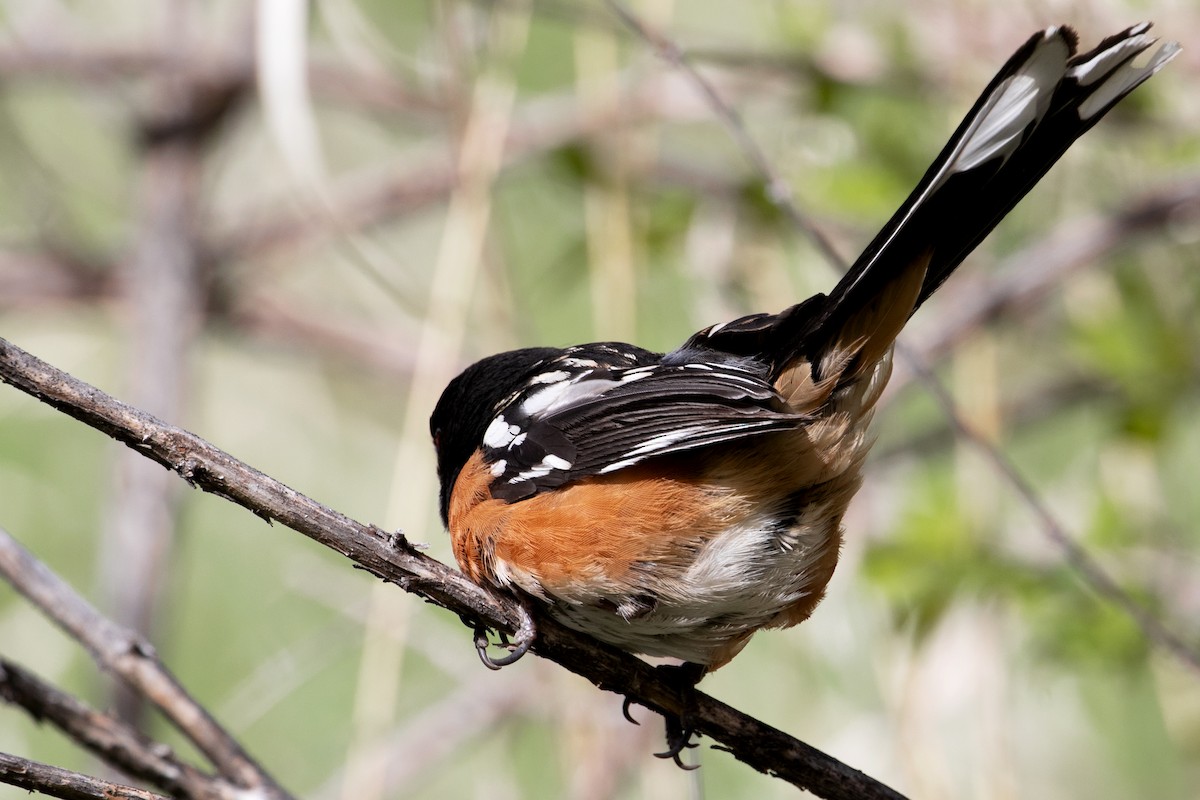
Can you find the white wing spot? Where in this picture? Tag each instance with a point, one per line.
(554, 462)
(541, 400)
(551, 377)
(498, 468)
(560, 395)
(499, 434)
(544, 467)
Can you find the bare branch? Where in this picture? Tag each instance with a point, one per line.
(763, 747)
(381, 193)
(1088, 569)
(113, 741)
(127, 655)
(55, 782)
(103, 64)
(777, 188)
(1033, 407)
(42, 273)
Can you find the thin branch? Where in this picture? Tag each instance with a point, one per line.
(1081, 561)
(127, 655)
(38, 279)
(380, 193)
(33, 776)
(344, 340)
(111, 740)
(43, 273)
(1033, 407)
(103, 64)
(389, 556)
(777, 189)
(780, 194)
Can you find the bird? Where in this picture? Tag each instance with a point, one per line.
(673, 504)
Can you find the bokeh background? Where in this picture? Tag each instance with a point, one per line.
(284, 227)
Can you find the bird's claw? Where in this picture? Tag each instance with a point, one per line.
(625, 711)
(678, 734)
(679, 727)
(522, 640)
(679, 738)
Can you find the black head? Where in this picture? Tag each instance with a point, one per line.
(468, 405)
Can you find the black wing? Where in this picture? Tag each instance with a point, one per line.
(592, 412)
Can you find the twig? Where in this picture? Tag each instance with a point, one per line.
(43, 273)
(391, 558)
(50, 278)
(380, 193)
(777, 190)
(55, 782)
(113, 741)
(127, 655)
(76, 60)
(1088, 568)
(1019, 411)
(780, 194)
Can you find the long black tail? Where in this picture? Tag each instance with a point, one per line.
(1040, 102)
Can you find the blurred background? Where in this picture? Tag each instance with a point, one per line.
(285, 227)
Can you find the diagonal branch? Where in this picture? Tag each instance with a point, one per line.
(1088, 569)
(389, 556)
(127, 655)
(111, 740)
(776, 188)
(56, 782)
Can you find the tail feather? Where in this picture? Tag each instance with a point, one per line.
(1037, 105)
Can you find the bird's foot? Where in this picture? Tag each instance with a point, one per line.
(522, 640)
(679, 728)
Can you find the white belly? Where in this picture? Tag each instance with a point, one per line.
(747, 578)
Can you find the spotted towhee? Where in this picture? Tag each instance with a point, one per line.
(673, 504)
